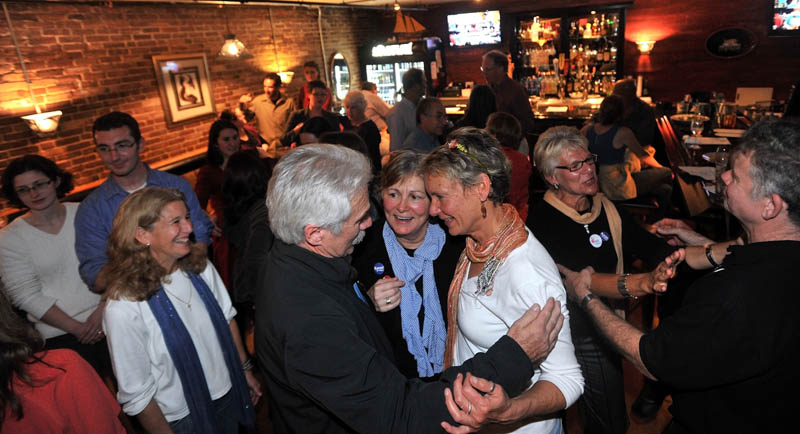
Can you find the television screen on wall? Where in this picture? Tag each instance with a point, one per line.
(474, 28)
(785, 17)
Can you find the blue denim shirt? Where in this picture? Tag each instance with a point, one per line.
(96, 214)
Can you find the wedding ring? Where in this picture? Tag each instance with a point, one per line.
(469, 411)
(388, 301)
(492, 389)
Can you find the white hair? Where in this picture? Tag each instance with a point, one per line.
(356, 98)
(313, 185)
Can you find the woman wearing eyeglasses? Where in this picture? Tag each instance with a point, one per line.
(626, 168)
(38, 264)
(580, 227)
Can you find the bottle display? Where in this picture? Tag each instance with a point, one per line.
(575, 56)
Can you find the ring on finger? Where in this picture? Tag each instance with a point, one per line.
(492, 389)
(388, 301)
(469, 410)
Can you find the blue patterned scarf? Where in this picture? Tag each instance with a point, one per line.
(184, 355)
(428, 346)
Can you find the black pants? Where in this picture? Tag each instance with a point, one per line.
(602, 405)
(96, 354)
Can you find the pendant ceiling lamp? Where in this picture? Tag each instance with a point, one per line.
(233, 48)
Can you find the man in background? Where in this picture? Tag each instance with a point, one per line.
(272, 111)
(402, 119)
(510, 96)
(431, 122)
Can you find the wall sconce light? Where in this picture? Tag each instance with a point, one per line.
(286, 76)
(43, 124)
(645, 47)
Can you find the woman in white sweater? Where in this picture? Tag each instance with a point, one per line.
(503, 271)
(38, 264)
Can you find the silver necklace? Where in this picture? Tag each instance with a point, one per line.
(187, 303)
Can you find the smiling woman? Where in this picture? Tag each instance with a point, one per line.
(407, 262)
(173, 373)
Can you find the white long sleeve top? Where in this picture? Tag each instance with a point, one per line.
(142, 364)
(528, 276)
(40, 270)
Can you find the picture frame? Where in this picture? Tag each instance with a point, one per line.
(184, 86)
(731, 42)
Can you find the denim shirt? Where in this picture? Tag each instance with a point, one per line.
(96, 214)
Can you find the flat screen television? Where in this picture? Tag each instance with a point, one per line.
(474, 28)
(785, 17)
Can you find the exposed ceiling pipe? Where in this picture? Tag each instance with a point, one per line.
(322, 44)
(288, 3)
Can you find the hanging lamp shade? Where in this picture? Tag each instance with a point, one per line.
(234, 48)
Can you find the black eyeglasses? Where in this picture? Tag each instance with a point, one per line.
(36, 186)
(119, 147)
(578, 165)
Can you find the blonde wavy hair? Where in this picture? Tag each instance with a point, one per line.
(132, 271)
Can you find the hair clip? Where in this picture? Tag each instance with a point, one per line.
(452, 144)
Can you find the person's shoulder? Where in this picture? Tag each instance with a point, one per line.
(165, 179)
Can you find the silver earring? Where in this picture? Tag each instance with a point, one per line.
(556, 186)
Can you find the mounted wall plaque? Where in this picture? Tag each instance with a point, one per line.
(731, 42)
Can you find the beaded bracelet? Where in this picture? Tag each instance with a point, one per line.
(248, 365)
(622, 286)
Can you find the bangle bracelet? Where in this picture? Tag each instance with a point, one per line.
(586, 299)
(710, 256)
(248, 365)
(622, 285)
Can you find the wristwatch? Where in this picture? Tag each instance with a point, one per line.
(586, 299)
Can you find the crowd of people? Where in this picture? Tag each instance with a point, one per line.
(419, 290)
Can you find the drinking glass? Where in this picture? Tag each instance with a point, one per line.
(697, 126)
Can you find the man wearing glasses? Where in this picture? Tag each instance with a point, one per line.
(119, 144)
(431, 122)
(510, 96)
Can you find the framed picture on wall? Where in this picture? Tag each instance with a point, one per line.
(184, 86)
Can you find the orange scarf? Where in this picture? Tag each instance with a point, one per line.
(511, 235)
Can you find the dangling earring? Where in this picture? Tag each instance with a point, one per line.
(483, 210)
(555, 186)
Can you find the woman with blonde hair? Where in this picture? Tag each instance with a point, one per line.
(174, 345)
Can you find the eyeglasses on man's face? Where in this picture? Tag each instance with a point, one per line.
(578, 165)
(119, 147)
(36, 186)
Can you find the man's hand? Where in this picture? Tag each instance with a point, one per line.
(577, 283)
(246, 98)
(537, 330)
(473, 402)
(679, 233)
(385, 293)
(657, 279)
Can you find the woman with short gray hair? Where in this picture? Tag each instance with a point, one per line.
(502, 272)
(355, 106)
(331, 175)
(583, 230)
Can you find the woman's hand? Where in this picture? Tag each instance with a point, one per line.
(577, 284)
(254, 385)
(385, 293)
(92, 329)
(473, 402)
(656, 281)
(678, 233)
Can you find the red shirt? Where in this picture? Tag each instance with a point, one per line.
(67, 397)
(520, 175)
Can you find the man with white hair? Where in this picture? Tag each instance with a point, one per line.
(729, 353)
(328, 364)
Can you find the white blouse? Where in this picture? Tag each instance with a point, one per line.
(142, 364)
(528, 276)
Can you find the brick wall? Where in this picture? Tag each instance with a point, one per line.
(87, 60)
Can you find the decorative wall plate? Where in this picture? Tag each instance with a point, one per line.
(731, 42)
